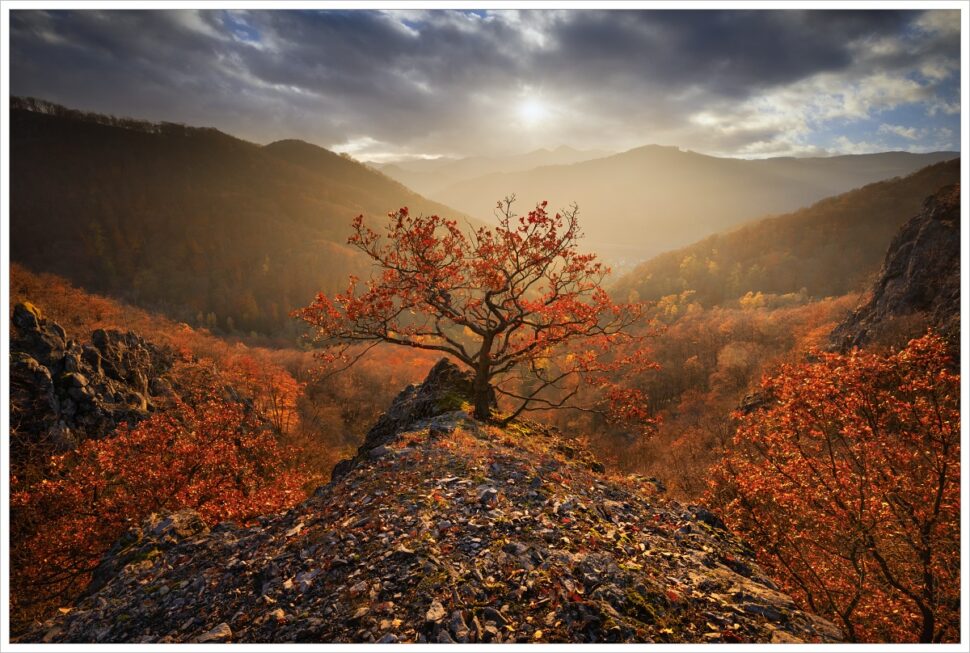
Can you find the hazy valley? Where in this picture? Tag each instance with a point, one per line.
(645, 201)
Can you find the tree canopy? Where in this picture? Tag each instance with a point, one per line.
(847, 483)
(517, 304)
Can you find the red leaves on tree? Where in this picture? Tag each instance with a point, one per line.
(847, 483)
(517, 304)
(216, 457)
(271, 389)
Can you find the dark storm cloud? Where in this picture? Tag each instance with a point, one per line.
(145, 63)
(728, 52)
(447, 81)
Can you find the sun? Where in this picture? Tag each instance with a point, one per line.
(532, 111)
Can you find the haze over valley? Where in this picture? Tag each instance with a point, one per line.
(645, 201)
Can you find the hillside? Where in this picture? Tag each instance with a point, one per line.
(83, 364)
(429, 176)
(449, 530)
(209, 228)
(827, 249)
(642, 202)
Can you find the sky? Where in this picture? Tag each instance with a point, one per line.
(384, 85)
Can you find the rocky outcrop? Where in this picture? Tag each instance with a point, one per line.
(447, 530)
(156, 535)
(919, 284)
(446, 388)
(63, 391)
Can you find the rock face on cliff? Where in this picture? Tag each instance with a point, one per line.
(919, 284)
(63, 391)
(446, 530)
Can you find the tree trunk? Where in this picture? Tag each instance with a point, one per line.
(482, 388)
(929, 626)
(483, 395)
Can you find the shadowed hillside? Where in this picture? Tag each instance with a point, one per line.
(212, 229)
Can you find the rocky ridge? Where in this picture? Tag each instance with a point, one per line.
(443, 390)
(445, 529)
(63, 391)
(919, 281)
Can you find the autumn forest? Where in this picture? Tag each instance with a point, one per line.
(291, 360)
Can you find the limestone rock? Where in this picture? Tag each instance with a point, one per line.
(63, 392)
(919, 283)
(446, 389)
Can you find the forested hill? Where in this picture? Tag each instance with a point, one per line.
(210, 228)
(828, 249)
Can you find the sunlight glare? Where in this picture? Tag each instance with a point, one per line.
(532, 111)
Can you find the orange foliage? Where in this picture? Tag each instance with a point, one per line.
(709, 360)
(215, 457)
(273, 391)
(847, 484)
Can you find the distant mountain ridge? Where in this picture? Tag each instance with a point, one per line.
(644, 201)
(827, 249)
(207, 227)
(428, 176)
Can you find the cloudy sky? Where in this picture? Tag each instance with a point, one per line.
(382, 85)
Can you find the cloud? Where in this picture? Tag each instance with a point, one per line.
(421, 82)
(848, 146)
(909, 133)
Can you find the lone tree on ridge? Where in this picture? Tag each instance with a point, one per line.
(516, 303)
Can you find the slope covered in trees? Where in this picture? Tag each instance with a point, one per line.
(212, 229)
(714, 346)
(824, 250)
(648, 200)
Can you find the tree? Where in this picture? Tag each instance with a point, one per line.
(272, 390)
(517, 304)
(847, 483)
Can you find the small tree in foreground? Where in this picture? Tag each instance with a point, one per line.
(517, 304)
(847, 484)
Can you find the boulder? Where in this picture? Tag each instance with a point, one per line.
(36, 336)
